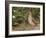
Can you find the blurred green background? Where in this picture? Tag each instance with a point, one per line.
(20, 14)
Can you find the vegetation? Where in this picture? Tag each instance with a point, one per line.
(20, 14)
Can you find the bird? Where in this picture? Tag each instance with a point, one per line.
(31, 20)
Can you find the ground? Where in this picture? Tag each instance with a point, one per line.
(23, 27)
